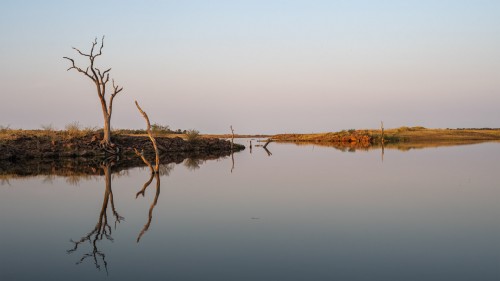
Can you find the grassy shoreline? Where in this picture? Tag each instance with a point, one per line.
(70, 139)
(398, 135)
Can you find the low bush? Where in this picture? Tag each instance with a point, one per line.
(161, 129)
(192, 135)
(73, 129)
(4, 129)
(47, 127)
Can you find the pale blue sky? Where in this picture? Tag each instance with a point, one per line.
(261, 66)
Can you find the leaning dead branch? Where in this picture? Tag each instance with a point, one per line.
(151, 137)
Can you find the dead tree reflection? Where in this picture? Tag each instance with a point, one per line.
(267, 151)
(265, 147)
(102, 229)
(382, 152)
(165, 169)
(153, 205)
(232, 160)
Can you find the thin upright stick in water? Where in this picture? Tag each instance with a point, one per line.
(232, 137)
(382, 128)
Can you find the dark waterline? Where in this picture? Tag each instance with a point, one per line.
(291, 213)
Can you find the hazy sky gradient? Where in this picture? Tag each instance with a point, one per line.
(261, 66)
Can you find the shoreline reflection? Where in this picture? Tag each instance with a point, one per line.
(401, 146)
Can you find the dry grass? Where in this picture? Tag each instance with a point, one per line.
(402, 134)
(326, 137)
(236, 136)
(47, 132)
(445, 134)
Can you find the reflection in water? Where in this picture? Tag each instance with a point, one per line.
(102, 228)
(5, 180)
(150, 213)
(153, 174)
(267, 151)
(232, 162)
(434, 216)
(401, 146)
(382, 152)
(268, 141)
(193, 164)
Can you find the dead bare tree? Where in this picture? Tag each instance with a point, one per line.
(100, 79)
(232, 137)
(382, 129)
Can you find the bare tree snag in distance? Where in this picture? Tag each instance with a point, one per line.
(100, 79)
(382, 129)
(232, 137)
(153, 140)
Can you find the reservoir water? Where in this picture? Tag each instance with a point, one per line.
(291, 213)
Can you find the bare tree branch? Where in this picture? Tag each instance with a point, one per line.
(116, 90)
(73, 66)
(105, 73)
(81, 53)
(102, 46)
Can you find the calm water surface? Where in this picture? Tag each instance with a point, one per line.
(302, 213)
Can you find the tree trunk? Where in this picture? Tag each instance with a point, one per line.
(107, 130)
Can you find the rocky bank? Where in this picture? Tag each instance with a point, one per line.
(26, 146)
